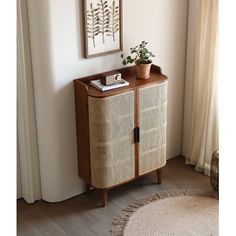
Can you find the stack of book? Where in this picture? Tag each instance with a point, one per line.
(97, 83)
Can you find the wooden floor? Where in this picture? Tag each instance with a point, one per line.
(82, 216)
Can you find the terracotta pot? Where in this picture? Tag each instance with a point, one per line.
(143, 71)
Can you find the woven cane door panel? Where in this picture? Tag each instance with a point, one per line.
(111, 124)
(152, 123)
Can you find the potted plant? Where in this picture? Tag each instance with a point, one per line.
(141, 59)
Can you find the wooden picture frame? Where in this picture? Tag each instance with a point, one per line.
(102, 27)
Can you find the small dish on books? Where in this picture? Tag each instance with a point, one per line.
(97, 84)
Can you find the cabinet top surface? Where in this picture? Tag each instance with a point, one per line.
(128, 73)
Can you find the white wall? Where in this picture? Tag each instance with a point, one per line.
(56, 38)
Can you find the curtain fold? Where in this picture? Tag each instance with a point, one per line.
(200, 136)
(28, 174)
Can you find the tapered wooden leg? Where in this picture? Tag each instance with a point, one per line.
(87, 187)
(159, 176)
(104, 197)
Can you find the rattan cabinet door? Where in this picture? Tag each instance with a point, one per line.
(152, 123)
(111, 124)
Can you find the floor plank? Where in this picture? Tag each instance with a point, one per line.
(82, 215)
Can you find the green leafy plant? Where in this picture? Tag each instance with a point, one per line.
(141, 55)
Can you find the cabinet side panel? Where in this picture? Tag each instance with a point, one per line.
(82, 131)
(111, 125)
(152, 123)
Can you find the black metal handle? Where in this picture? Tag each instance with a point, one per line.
(136, 135)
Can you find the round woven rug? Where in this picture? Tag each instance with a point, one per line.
(172, 213)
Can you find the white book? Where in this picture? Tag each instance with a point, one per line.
(97, 83)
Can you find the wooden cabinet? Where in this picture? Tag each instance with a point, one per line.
(121, 133)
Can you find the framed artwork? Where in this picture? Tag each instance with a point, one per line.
(102, 27)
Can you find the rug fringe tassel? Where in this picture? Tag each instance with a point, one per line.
(119, 223)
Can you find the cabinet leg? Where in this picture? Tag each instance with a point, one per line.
(87, 187)
(159, 176)
(104, 197)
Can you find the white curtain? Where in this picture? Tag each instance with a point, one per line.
(200, 136)
(28, 174)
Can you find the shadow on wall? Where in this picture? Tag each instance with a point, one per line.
(80, 32)
(57, 49)
(39, 13)
(56, 131)
(112, 60)
(58, 59)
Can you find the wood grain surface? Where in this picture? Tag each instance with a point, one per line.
(128, 74)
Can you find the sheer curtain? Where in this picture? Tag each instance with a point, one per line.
(200, 136)
(28, 173)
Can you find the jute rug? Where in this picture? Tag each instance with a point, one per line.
(172, 213)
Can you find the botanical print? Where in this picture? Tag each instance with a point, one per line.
(102, 18)
(113, 25)
(92, 23)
